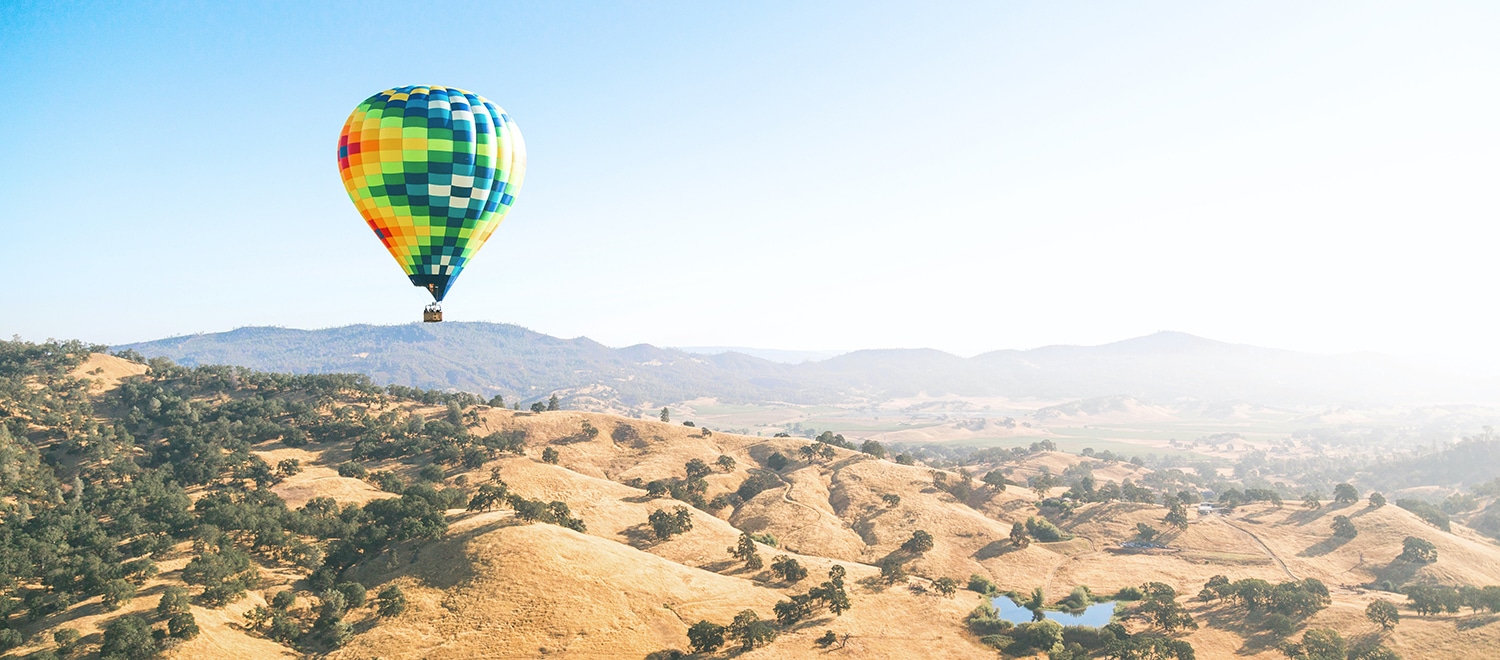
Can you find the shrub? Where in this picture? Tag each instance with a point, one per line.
(391, 601)
(283, 600)
(981, 584)
(945, 586)
(1043, 530)
(354, 593)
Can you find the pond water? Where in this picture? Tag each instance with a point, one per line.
(1094, 616)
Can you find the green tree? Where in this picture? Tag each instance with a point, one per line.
(1318, 644)
(182, 625)
(391, 601)
(128, 638)
(891, 499)
(751, 630)
(745, 551)
(552, 402)
(725, 463)
(787, 569)
(920, 542)
(1383, 613)
(996, 480)
(1161, 609)
(1018, 535)
(174, 600)
(666, 415)
(66, 640)
(1345, 494)
(1344, 528)
(10, 638)
(1311, 502)
(1146, 533)
(705, 636)
(550, 455)
(1376, 500)
(946, 586)
(873, 448)
(892, 570)
(538, 407)
(284, 600)
(224, 575)
(1177, 514)
(665, 524)
(117, 592)
(354, 594)
(697, 469)
(1418, 550)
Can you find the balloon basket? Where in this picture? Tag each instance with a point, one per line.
(432, 313)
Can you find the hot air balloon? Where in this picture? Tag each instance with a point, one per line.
(433, 170)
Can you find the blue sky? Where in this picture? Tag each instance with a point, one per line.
(1315, 176)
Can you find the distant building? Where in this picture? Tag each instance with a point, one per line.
(1205, 508)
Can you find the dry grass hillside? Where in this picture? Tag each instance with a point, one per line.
(494, 586)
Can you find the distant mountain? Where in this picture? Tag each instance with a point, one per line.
(505, 359)
(772, 354)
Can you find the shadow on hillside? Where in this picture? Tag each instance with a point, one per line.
(995, 549)
(1324, 547)
(454, 567)
(640, 536)
(1398, 572)
(1475, 621)
(1308, 516)
(1248, 626)
(1362, 511)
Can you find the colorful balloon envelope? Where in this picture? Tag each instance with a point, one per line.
(433, 170)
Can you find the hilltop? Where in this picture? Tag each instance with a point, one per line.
(491, 359)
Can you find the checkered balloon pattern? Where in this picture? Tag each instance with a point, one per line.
(433, 170)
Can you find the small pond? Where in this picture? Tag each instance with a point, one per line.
(1094, 616)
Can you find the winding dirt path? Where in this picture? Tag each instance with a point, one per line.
(1265, 548)
(786, 496)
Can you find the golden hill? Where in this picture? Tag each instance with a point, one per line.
(495, 587)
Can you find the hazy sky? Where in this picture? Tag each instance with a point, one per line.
(1315, 176)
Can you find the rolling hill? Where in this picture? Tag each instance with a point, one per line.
(488, 582)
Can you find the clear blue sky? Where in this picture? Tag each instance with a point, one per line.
(1317, 176)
